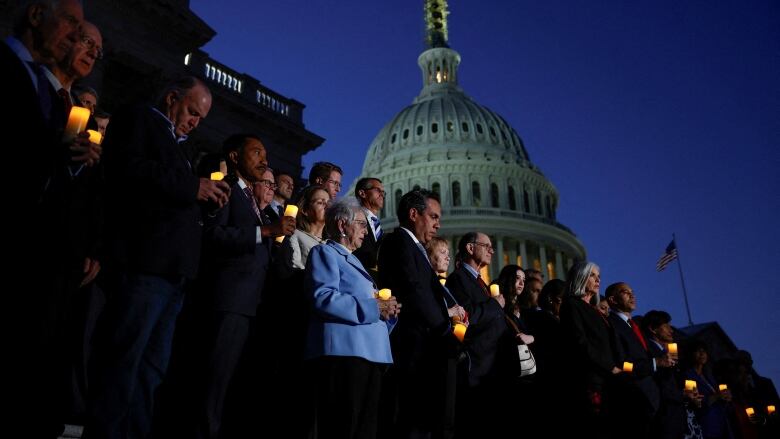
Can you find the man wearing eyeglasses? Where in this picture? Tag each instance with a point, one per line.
(370, 192)
(327, 175)
(478, 381)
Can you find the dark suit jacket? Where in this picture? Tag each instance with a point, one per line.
(368, 252)
(671, 420)
(272, 214)
(153, 220)
(234, 266)
(486, 323)
(631, 349)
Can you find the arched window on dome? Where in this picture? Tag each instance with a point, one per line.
(465, 127)
(419, 130)
(548, 203)
(455, 194)
(539, 207)
(526, 202)
(494, 195)
(434, 128)
(406, 133)
(479, 128)
(476, 195)
(398, 194)
(436, 187)
(511, 196)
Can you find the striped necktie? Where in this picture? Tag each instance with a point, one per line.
(251, 195)
(377, 228)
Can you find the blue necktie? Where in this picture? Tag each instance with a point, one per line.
(377, 228)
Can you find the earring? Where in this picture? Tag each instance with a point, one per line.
(343, 235)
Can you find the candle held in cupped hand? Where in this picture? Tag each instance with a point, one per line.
(690, 385)
(494, 290)
(383, 294)
(460, 331)
(290, 210)
(750, 411)
(628, 367)
(77, 121)
(722, 387)
(95, 137)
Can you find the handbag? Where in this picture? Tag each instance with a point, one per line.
(527, 362)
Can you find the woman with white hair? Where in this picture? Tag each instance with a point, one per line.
(348, 338)
(591, 345)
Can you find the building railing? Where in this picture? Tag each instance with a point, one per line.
(481, 211)
(244, 86)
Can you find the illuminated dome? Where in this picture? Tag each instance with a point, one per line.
(447, 142)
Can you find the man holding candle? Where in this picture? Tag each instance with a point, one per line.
(237, 253)
(638, 391)
(153, 241)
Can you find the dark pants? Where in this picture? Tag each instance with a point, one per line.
(347, 397)
(132, 358)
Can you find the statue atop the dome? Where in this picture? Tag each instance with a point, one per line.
(436, 23)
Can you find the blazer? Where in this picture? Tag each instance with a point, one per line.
(631, 349)
(235, 265)
(345, 321)
(368, 251)
(152, 218)
(487, 324)
(423, 335)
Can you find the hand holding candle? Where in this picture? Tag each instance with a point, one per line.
(494, 290)
(722, 387)
(292, 211)
(217, 176)
(770, 409)
(672, 349)
(77, 121)
(95, 137)
(383, 294)
(690, 385)
(750, 411)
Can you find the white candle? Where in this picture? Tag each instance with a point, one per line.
(628, 367)
(95, 137)
(494, 290)
(77, 121)
(290, 210)
(217, 176)
(383, 294)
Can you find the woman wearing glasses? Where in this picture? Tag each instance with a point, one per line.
(348, 339)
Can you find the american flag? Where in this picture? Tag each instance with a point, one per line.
(669, 255)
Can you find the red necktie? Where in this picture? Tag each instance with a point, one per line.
(638, 333)
(483, 285)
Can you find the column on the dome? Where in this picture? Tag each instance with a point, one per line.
(543, 261)
(559, 269)
(524, 255)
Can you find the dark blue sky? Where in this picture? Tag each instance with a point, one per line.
(649, 117)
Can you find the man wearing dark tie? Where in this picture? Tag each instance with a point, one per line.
(371, 194)
(236, 256)
(422, 379)
(282, 195)
(638, 395)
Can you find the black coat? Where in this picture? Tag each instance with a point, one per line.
(640, 380)
(368, 252)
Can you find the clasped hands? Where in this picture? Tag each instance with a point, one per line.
(388, 309)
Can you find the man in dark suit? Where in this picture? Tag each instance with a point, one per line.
(479, 383)
(421, 382)
(153, 240)
(638, 393)
(371, 194)
(671, 419)
(236, 257)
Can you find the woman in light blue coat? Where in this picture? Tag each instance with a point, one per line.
(348, 339)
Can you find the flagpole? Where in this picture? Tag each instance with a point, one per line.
(682, 281)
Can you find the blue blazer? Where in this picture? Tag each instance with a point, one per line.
(345, 321)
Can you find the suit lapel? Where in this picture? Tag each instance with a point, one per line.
(352, 260)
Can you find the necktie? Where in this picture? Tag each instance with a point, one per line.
(638, 333)
(377, 228)
(280, 209)
(249, 194)
(66, 101)
(44, 92)
(483, 285)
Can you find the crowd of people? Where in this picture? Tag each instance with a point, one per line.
(162, 300)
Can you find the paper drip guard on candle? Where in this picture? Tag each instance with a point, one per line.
(77, 121)
(217, 176)
(628, 367)
(494, 290)
(690, 385)
(290, 210)
(383, 294)
(95, 137)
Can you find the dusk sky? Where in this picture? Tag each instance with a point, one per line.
(650, 118)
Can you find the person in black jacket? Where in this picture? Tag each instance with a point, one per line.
(153, 239)
(371, 194)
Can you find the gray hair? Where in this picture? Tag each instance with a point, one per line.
(342, 209)
(181, 86)
(577, 278)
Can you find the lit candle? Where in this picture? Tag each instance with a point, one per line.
(494, 290)
(750, 411)
(290, 210)
(460, 331)
(722, 387)
(690, 385)
(673, 348)
(770, 409)
(628, 367)
(217, 176)
(442, 281)
(383, 294)
(95, 137)
(77, 121)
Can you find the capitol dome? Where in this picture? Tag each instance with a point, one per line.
(476, 162)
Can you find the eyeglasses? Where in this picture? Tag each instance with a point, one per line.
(381, 191)
(334, 183)
(362, 223)
(488, 247)
(268, 183)
(91, 44)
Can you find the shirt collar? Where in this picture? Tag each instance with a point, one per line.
(178, 139)
(470, 269)
(623, 316)
(414, 238)
(54, 81)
